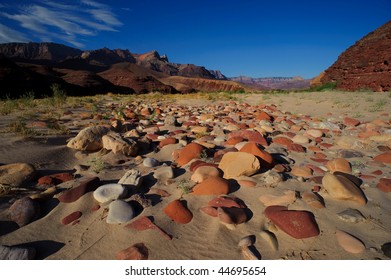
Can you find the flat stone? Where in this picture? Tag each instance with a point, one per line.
(117, 144)
(287, 198)
(167, 141)
(350, 154)
(119, 212)
(314, 200)
(234, 140)
(300, 139)
(187, 153)
(212, 186)
(136, 252)
(24, 211)
(284, 141)
(55, 179)
(163, 173)
(349, 142)
(301, 171)
(16, 174)
(89, 138)
(150, 162)
(178, 212)
(315, 133)
(71, 195)
(383, 158)
(351, 122)
(108, 192)
(349, 242)
(235, 164)
(384, 185)
(132, 177)
(16, 253)
(341, 188)
(296, 148)
(71, 217)
(265, 159)
(298, 224)
(226, 201)
(204, 172)
(352, 216)
(339, 164)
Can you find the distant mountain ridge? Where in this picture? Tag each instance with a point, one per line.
(266, 83)
(99, 71)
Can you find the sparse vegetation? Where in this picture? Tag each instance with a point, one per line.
(325, 87)
(378, 106)
(184, 186)
(19, 126)
(97, 164)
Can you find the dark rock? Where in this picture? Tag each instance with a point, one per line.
(24, 211)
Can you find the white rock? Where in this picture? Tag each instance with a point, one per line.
(16, 253)
(118, 144)
(314, 133)
(89, 139)
(119, 212)
(132, 177)
(109, 192)
(163, 173)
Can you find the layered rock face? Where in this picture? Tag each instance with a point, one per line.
(365, 65)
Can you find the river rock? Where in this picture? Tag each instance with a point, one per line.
(132, 177)
(16, 174)
(178, 212)
(349, 242)
(187, 153)
(296, 223)
(300, 139)
(384, 158)
(212, 186)
(235, 164)
(150, 162)
(89, 138)
(339, 164)
(73, 194)
(163, 173)
(24, 211)
(204, 172)
(117, 144)
(119, 212)
(55, 179)
(109, 192)
(341, 188)
(71, 217)
(384, 185)
(16, 253)
(265, 159)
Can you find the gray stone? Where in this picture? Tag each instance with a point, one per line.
(132, 177)
(119, 212)
(350, 154)
(23, 211)
(169, 120)
(16, 174)
(352, 216)
(16, 253)
(163, 173)
(269, 179)
(89, 139)
(150, 162)
(109, 192)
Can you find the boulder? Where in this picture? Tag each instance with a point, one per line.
(235, 164)
(16, 174)
(117, 144)
(24, 211)
(89, 138)
(341, 188)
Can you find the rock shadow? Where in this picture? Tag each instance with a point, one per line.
(7, 227)
(44, 248)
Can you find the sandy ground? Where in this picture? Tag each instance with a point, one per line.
(204, 237)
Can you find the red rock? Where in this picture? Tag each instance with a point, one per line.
(152, 137)
(253, 136)
(326, 145)
(384, 158)
(296, 148)
(24, 211)
(167, 141)
(75, 193)
(350, 122)
(226, 201)
(198, 163)
(264, 157)
(137, 252)
(384, 185)
(377, 172)
(320, 155)
(95, 207)
(320, 160)
(177, 212)
(212, 186)
(263, 116)
(144, 223)
(189, 152)
(234, 140)
(71, 217)
(298, 224)
(315, 168)
(55, 179)
(367, 177)
(314, 148)
(282, 141)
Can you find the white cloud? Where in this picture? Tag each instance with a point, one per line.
(69, 23)
(10, 35)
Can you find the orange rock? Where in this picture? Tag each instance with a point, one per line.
(234, 140)
(212, 186)
(177, 212)
(384, 185)
(264, 157)
(263, 116)
(301, 171)
(189, 152)
(384, 158)
(339, 164)
(167, 141)
(137, 252)
(282, 141)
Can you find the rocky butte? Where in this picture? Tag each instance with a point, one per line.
(365, 65)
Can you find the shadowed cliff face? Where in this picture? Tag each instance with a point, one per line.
(35, 66)
(365, 65)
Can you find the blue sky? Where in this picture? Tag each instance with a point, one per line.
(239, 37)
